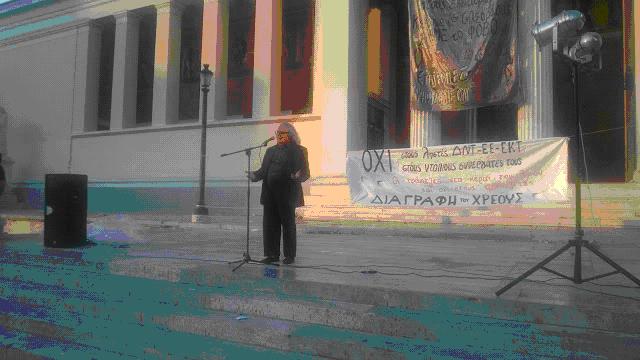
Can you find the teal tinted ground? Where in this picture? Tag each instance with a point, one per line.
(98, 314)
(74, 289)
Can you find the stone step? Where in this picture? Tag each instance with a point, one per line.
(477, 336)
(71, 268)
(33, 339)
(458, 339)
(73, 308)
(337, 314)
(288, 336)
(114, 337)
(74, 294)
(65, 305)
(30, 222)
(8, 352)
(539, 217)
(255, 332)
(107, 305)
(428, 325)
(227, 289)
(221, 332)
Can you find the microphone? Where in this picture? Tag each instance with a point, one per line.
(266, 141)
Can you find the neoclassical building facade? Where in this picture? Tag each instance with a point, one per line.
(111, 89)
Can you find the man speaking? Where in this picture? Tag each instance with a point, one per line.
(284, 167)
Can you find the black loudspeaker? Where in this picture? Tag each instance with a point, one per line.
(65, 214)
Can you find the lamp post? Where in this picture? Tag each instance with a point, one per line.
(205, 80)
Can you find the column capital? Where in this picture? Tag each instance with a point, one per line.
(172, 7)
(89, 24)
(126, 17)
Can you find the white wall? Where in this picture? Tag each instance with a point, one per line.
(36, 91)
(174, 152)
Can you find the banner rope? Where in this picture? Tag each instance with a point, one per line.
(602, 131)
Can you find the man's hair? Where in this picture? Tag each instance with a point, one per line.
(293, 134)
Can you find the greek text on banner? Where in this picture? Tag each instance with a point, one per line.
(469, 175)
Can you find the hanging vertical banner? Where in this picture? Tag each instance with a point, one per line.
(467, 175)
(463, 53)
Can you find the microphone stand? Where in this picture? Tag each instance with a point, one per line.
(246, 258)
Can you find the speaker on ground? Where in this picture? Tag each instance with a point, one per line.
(65, 216)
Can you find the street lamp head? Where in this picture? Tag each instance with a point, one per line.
(205, 76)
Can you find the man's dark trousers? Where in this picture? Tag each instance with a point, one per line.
(280, 210)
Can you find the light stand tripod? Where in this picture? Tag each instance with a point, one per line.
(246, 258)
(578, 242)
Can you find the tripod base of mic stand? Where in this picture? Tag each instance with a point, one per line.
(247, 259)
(577, 243)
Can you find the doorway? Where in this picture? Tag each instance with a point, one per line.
(387, 53)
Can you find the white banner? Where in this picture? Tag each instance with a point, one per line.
(470, 175)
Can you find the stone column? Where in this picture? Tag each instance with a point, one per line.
(85, 96)
(214, 37)
(426, 129)
(7, 161)
(166, 81)
(4, 129)
(125, 71)
(339, 83)
(267, 66)
(472, 125)
(535, 114)
(636, 128)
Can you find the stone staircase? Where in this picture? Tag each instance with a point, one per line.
(603, 205)
(103, 302)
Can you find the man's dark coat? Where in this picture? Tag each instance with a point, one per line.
(297, 160)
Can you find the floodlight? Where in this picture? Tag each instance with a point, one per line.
(565, 24)
(586, 47)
